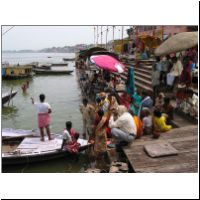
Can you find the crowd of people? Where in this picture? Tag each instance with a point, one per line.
(172, 70)
(113, 119)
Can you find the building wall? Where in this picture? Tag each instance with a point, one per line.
(167, 30)
(174, 29)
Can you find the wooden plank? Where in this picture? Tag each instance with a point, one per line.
(184, 139)
(34, 145)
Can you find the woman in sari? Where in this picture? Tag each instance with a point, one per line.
(136, 102)
(100, 146)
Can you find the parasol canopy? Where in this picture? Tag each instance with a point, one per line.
(108, 63)
(86, 53)
(178, 42)
(113, 54)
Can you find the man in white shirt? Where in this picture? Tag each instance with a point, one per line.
(123, 129)
(44, 109)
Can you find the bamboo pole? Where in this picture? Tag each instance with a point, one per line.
(122, 39)
(113, 46)
(106, 35)
(94, 35)
(97, 35)
(101, 36)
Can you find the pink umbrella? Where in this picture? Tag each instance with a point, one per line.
(108, 63)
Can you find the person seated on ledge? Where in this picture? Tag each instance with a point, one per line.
(69, 135)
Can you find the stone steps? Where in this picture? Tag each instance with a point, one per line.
(143, 81)
(142, 75)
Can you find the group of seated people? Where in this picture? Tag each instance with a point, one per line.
(154, 116)
(123, 118)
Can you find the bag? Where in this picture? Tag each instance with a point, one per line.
(138, 124)
(170, 79)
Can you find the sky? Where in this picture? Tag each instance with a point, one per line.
(39, 37)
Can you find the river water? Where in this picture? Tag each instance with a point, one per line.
(62, 93)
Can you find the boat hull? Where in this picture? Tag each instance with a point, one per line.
(13, 77)
(8, 97)
(17, 160)
(52, 72)
(68, 59)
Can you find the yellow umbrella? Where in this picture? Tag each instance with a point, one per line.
(177, 43)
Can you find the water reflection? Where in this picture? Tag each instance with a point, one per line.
(16, 82)
(9, 112)
(70, 164)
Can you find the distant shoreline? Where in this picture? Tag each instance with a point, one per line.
(65, 49)
(37, 52)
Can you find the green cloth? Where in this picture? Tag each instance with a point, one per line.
(137, 100)
(130, 84)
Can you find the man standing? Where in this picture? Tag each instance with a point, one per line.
(87, 111)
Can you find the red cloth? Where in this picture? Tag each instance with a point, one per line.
(125, 100)
(186, 77)
(43, 120)
(72, 133)
(73, 147)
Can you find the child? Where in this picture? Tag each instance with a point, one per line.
(70, 138)
(66, 138)
(71, 131)
(160, 122)
(147, 123)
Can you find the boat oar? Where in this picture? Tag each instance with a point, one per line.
(10, 96)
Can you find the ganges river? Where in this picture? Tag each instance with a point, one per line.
(62, 93)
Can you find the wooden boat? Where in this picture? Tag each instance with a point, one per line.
(51, 72)
(68, 59)
(31, 149)
(8, 96)
(42, 66)
(16, 71)
(10, 133)
(59, 64)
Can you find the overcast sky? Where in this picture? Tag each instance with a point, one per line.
(38, 37)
